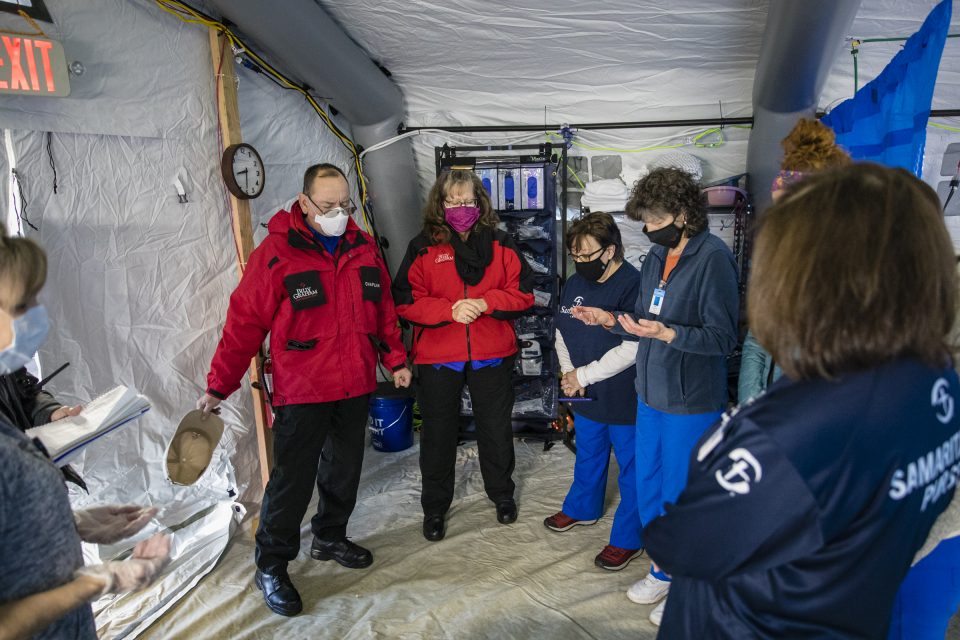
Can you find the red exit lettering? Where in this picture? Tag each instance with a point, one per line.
(23, 50)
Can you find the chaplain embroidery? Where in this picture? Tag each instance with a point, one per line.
(370, 283)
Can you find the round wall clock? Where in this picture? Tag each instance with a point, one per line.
(242, 170)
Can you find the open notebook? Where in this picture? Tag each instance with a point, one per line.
(65, 438)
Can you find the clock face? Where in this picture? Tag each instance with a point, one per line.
(243, 171)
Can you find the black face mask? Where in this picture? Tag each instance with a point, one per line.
(592, 270)
(668, 237)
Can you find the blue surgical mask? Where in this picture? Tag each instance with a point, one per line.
(29, 333)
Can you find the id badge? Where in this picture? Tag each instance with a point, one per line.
(657, 301)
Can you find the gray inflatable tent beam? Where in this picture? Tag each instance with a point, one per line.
(303, 41)
(800, 44)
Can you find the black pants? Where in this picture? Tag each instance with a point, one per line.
(491, 390)
(301, 433)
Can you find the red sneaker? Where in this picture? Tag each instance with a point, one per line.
(614, 558)
(561, 522)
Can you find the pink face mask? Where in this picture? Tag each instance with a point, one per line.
(461, 218)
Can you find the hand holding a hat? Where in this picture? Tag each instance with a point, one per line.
(207, 404)
(111, 523)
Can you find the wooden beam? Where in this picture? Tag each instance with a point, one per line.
(230, 133)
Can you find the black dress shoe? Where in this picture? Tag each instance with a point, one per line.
(350, 555)
(506, 511)
(279, 593)
(434, 528)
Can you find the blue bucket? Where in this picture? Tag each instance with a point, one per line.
(391, 423)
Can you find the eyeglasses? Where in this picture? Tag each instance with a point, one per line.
(349, 208)
(585, 257)
(461, 203)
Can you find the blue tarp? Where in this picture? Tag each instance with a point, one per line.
(886, 120)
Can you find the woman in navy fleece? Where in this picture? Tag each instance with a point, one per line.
(686, 319)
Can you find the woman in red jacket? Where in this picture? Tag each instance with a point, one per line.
(460, 285)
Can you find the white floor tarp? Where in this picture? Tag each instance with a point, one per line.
(484, 580)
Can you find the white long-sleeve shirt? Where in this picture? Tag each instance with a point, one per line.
(617, 359)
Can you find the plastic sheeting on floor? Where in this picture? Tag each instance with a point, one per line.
(484, 580)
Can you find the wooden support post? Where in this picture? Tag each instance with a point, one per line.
(242, 224)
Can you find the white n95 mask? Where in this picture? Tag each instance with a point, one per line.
(334, 222)
(29, 333)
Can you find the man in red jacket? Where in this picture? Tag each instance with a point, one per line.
(318, 286)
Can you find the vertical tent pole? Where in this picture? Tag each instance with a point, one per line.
(242, 225)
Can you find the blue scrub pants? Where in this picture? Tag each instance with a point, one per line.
(663, 445)
(929, 595)
(585, 499)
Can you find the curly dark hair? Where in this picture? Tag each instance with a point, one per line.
(666, 193)
(435, 224)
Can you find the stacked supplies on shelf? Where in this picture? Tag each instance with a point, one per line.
(605, 195)
(524, 194)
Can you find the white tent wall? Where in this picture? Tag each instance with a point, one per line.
(898, 19)
(138, 283)
(136, 61)
(503, 62)
(500, 63)
(290, 137)
(621, 61)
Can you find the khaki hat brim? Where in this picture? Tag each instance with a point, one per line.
(192, 446)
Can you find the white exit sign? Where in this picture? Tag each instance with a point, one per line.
(34, 66)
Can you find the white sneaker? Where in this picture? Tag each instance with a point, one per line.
(657, 614)
(649, 590)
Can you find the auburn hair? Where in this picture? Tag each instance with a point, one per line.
(853, 268)
(812, 146)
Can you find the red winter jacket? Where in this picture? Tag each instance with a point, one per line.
(428, 284)
(323, 316)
